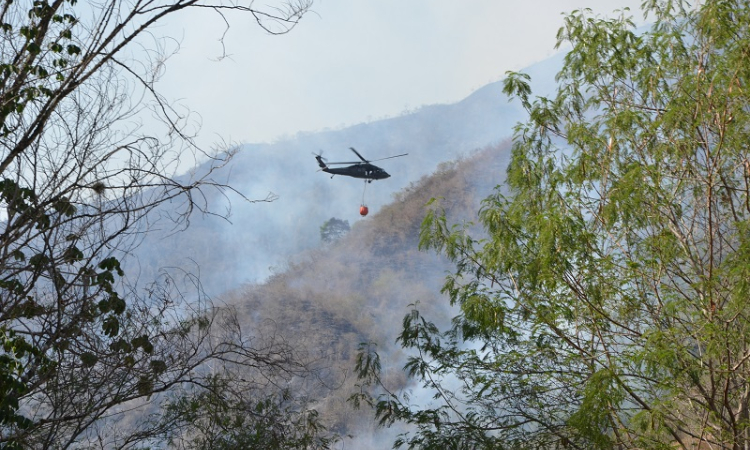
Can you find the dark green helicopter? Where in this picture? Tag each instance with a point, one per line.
(358, 169)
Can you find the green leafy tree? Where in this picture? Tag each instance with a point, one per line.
(80, 182)
(223, 417)
(607, 304)
(333, 229)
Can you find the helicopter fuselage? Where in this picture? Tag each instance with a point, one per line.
(365, 171)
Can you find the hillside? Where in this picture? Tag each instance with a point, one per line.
(268, 259)
(329, 299)
(258, 237)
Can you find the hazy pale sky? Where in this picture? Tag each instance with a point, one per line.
(352, 61)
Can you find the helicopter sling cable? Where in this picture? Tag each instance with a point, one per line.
(363, 207)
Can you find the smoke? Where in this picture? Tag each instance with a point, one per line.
(267, 256)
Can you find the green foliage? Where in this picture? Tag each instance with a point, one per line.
(15, 351)
(605, 306)
(222, 418)
(333, 229)
(79, 186)
(23, 359)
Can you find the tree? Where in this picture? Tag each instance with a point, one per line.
(81, 180)
(333, 229)
(606, 305)
(274, 421)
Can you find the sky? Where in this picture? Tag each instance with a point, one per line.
(353, 61)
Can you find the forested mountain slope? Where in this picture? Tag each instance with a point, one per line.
(259, 236)
(329, 299)
(268, 259)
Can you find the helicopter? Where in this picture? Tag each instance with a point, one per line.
(358, 169)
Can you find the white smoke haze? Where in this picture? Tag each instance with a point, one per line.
(257, 239)
(258, 247)
(267, 258)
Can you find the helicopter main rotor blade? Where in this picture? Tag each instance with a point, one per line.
(389, 157)
(357, 153)
(350, 162)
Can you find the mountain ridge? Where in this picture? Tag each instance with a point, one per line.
(260, 236)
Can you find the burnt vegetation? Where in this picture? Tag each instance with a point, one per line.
(355, 289)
